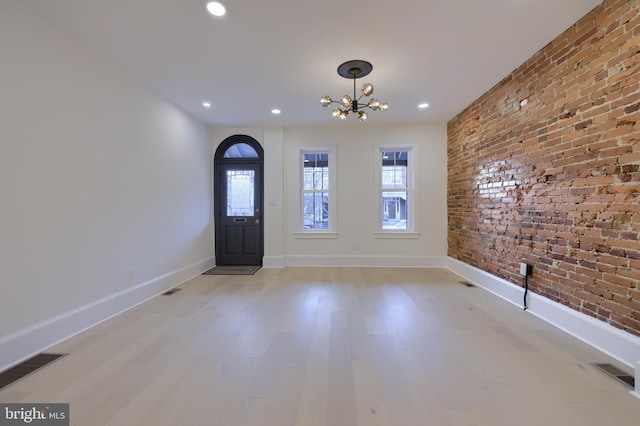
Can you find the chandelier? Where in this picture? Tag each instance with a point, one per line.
(355, 69)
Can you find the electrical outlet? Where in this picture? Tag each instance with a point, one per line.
(525, 270)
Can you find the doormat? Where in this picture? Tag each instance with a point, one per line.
(232, 270)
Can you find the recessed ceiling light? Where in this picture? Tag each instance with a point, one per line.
(275, 111)
(423, 105)
(206, 104)
(216, 8)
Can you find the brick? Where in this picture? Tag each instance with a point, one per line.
(560, 181)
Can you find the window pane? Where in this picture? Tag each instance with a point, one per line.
(394, 177)
(393, 158)
(316, 210)
(394, 210)
(240, 192)
(316, 172)
(240, 150)
(316, 159)
(394, 169)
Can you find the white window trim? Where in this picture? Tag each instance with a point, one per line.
(332, 231)
(316, 234)
(412, 165)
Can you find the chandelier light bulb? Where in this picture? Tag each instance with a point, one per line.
(362, 115)
(336, 112)
(325, 101)
(367, 89)
(346, 101)
(344, 115)
(383, 106)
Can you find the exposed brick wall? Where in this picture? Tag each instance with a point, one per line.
(555, 181)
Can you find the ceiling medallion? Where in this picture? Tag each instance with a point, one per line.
(353, 70)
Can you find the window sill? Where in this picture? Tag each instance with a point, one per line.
(395, 234)
(317, 234)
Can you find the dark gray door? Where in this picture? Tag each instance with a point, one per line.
(239, 214)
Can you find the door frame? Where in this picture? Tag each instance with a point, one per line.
(218, 181)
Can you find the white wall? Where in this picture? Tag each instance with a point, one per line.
(356, 243)
(357, 212)
(104, 186)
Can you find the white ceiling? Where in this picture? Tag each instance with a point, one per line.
(284, 53)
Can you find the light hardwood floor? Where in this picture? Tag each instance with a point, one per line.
(329, 346)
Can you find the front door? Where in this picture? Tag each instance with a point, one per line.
(238, 201)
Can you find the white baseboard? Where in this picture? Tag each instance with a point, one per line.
(620, 345)
(273, 262)
(368, 261)
(23, 344)
(636, 391)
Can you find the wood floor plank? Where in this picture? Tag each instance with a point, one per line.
(365, 380)
(312, 409)
(283, 409)
(372, 413)
(253, 412)
(429, 407)
(328, 346)
(227, 399)
(341, 403)
(412, 369)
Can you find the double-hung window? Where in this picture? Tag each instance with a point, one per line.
(317, 191)
(395, 189)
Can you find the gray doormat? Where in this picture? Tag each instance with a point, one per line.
(232, 270)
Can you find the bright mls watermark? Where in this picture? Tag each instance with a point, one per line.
(34, 414)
